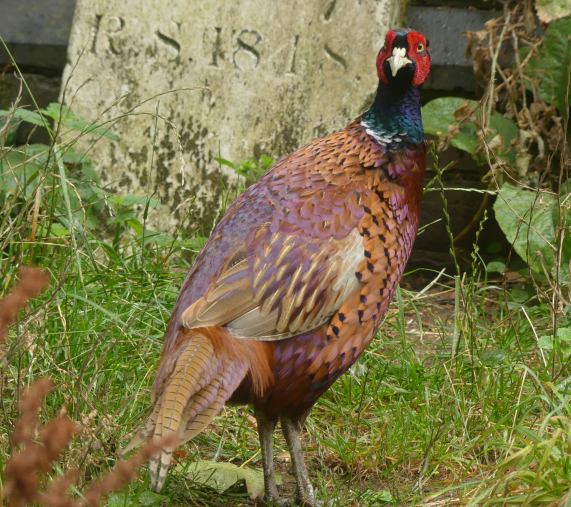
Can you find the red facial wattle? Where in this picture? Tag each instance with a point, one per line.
(418, 52)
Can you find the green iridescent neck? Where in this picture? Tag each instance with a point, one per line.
(394, 118)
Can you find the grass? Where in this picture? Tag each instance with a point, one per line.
(454, 402)
(409, 422)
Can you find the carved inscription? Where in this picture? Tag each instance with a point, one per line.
(95, 32)
(169, 42)
(242, 49)
(246, 56)
(291, 68)
(105, 30)
(335, 57)
(205, 80)
(329, 11)
(217, 48)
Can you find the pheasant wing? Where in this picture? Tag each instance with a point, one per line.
(294, 272)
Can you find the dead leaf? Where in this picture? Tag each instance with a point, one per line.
(221, 476)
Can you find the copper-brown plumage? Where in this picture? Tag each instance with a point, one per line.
(295, 279)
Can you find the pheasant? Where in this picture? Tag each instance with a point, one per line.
(296, 277)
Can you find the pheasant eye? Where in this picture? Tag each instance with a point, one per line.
(420, 47)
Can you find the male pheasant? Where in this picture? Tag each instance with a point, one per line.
(295, 279)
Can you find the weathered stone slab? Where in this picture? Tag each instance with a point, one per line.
(230, 79)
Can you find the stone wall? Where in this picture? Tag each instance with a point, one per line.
(186, 84)
(36, 34)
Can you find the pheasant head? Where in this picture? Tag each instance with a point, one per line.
(403, 64)
(404, 59)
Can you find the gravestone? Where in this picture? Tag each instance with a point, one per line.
(184, 82)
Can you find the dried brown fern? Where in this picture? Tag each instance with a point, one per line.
(32, 282)
(37, 447)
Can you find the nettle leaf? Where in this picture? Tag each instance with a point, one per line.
(222, 476)
(528, 220)
(550, 68)
(550, 10)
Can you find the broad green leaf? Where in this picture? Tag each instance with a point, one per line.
(18, 172)
(122, 216)
(252, 169)
(505, 127)
(136, 225)
(545, 342)
(378, 497)
(58, 230)
(438, 114)
(467, 139)
(527, 220)
(225, 162)
(128, 200)
(119, 500)
(521, 295)
(150, 499)
(563, 335)
(550, 68)
(66, 117)
(550, 10)
(158, 238)
(495, 267)
(493, 357)
(195, 243)
(221, 476)
(26, 115)
(9, 129)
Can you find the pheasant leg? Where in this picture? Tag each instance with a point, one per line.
(291, 429)
(266, 428)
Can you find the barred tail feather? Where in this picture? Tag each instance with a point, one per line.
(205, 373)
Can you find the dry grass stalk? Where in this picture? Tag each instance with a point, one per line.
(39, 447)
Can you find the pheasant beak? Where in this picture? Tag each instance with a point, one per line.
(398, 60)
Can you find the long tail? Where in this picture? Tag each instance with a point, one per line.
(192, 388)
